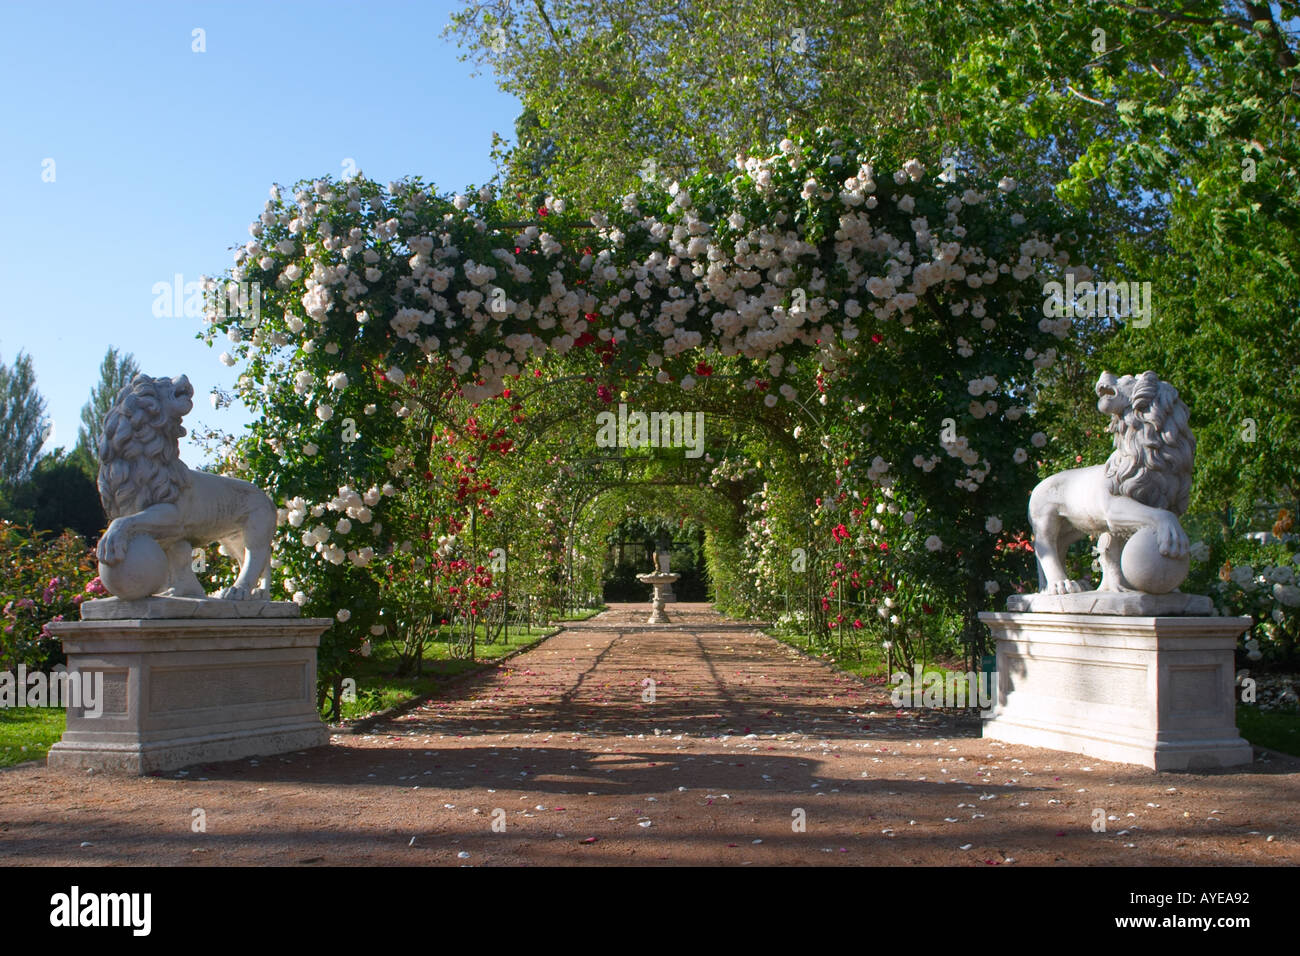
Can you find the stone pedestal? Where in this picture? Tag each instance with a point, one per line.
(196, 690)
(1156, 691)
(658, 581)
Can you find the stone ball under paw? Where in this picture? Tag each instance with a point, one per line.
(1146, 569)
(140, 574)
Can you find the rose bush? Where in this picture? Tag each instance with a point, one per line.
(42, 579)
(895, 317)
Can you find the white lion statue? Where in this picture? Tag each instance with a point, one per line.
(1143, 485)
(160, 510)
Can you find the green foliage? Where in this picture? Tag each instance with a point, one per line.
(58, 496)
(1253, 574)
(1191, 153)
(42, 579)
(27, 733)
(23, 424)
(615, 92)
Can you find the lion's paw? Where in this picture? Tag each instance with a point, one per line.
(112, 547)
(234, 593)
(1065, 586)
(1172, 539)
(259, 594)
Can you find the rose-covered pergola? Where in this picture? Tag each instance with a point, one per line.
(411, 347)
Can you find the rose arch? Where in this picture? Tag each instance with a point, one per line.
(413, 357)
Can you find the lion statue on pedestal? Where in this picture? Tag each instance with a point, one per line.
(160, 510)
(1144, 485)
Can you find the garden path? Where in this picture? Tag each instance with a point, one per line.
(745, 739)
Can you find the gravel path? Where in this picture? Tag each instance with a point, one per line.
(563, 752)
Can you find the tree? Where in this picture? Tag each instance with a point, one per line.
(1192, 109)
(23, 423)
(115, 372)
(618, 91)
(60, 496)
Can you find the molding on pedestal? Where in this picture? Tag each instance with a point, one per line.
(1127, 603)
(183, 608)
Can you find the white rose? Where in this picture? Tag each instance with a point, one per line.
(344, 615)
(1287, 594)
(993, 525)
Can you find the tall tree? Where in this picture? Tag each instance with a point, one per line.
(615, 91)
(24, 425)
(115, 372)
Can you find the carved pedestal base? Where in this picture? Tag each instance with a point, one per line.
(181, 692)
(657, 615)
(1155, 691)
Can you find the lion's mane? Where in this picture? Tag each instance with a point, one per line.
(1152, 460)
(139, 452)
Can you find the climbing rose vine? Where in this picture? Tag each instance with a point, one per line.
(892, 282)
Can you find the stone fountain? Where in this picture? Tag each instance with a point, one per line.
(662, 581)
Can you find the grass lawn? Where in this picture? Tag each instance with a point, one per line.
(870, 663)
(866, 660)
(378, 688)
(1276, 730)
(26, 733)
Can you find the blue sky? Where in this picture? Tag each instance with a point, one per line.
(163, 156)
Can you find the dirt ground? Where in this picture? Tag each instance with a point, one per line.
(749, 754)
